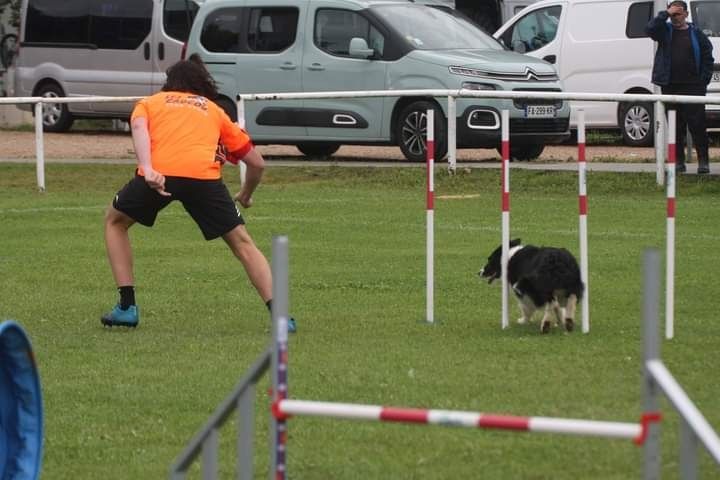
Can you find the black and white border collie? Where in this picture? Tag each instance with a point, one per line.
(540, 276)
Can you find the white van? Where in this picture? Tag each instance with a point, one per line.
(97, 47)
(600, 46)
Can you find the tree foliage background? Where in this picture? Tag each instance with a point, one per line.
(14, 6)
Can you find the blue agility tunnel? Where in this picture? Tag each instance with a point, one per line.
(21, 412)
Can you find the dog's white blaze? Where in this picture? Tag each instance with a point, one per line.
(513, 251)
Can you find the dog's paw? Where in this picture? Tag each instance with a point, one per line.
(569, 324)
(545, 326)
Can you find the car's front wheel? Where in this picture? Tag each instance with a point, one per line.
(55, 116)
(411, 131)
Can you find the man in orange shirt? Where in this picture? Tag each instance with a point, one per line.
(176, 133)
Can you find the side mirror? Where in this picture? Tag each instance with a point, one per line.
(359, 48)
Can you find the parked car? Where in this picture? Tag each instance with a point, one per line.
(97, 47)
(272, 46)
(600, 46)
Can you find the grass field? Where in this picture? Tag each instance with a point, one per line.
(122, 404)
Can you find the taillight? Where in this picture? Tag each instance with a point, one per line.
(183, 52)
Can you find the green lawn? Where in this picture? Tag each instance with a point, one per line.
(121, 404)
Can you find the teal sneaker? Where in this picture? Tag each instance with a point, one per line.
(117, 317)
(292, 328)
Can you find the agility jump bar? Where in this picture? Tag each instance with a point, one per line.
(637, 432)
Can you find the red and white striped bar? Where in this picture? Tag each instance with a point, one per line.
(430, 237)
(505, 206)
(583, 209)
(454, 418)
(670, 242)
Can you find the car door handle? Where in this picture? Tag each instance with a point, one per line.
(288, 66)
(161, 51)
(316, 67)
(146, 51)
(550, 59)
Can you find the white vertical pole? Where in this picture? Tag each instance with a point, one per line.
(39, 147)
(430, 243)
(670, 242)
(452, 134)
(241, 123)
(505, 205)
(583, 209)
(660, 131)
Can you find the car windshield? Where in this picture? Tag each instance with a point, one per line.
(706, 16)
(431, 28)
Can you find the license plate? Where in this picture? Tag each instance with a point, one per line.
(540, 111)
(716, 77)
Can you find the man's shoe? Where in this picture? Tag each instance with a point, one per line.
(703, 169)
(680, 168)
(292, 328)
(117, 317)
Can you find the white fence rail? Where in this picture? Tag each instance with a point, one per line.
(450, 94)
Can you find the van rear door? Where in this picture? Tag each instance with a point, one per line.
(171, 28)
(120, 33)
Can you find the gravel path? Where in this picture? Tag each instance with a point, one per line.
(79, 146)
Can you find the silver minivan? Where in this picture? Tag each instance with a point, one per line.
(272, 46)
(97, 47)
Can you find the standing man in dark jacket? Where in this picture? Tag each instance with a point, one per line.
(683, 66)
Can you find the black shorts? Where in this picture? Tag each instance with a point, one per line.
(207, 201)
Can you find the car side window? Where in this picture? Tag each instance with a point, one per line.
(335, 28)
(534, 30)
(272, 30)
(706, 16)
(178, 16)
(111, 24)
(639, 15)
(49, 21)
(221, 31)
(120, 24)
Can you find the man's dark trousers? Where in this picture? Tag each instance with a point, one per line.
(692, 116)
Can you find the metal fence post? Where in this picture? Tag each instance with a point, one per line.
(246, 431)
(280, 307)
(651, 344)
(209, 461)
(688, 451)
(660, 144)
(451, 134)
(39, 147)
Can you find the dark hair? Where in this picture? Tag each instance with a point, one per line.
(679, 3)
(190, 76)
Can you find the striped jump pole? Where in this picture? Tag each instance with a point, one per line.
(505, 206)
(283, 409)
(430, 223)
(583, 209)
(670, 242)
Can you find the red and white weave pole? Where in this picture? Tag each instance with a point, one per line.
(284, 409)
(430, 242)
(505, 206)
(583, 209)
(670, 242)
